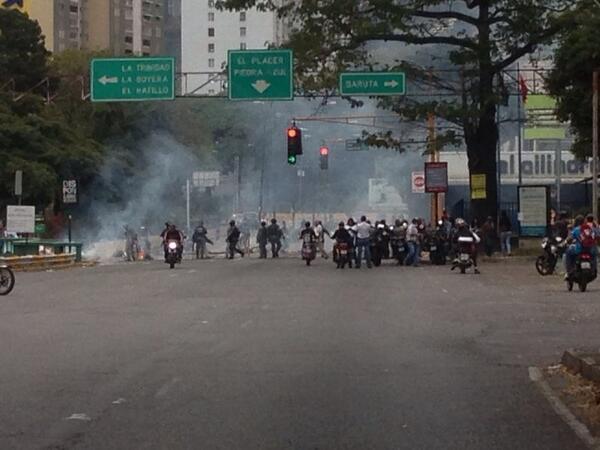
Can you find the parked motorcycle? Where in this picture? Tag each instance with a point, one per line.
(464, 258)
(7, 280)
(173, 253)
(583, 274)
(554, 249)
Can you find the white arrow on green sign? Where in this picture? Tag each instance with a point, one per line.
(261, 75)
(372, 83)
(132, 79)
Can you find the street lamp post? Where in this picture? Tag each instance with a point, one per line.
(595, 137)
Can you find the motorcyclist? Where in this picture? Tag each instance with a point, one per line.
(274, 234)
(343, 236)
(173, 234)
(463, 230)
(384, 233)
(351, 228)
(583, 236)
(200, 239)
(262, 240)
(308, 235)
(232, 239)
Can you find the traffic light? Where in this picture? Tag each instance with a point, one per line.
(294, 144)
(324, 154)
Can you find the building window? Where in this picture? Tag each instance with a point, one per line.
(211, 32)
(211, 16)
(243, 46)
(129, 39)
(243, 16)
(243, 31)
(211, 48)
(211, 3)
(211, 92)
(146, 42)
(128, 51)
(74, 8)
(211, 62)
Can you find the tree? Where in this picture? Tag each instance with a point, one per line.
(576, 57)
(22, 52)
(479, 40)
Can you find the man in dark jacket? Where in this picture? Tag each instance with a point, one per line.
(262, 239)
(200, 239)
(274, 234)
(233, 237)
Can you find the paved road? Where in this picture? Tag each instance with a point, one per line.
(273, 355)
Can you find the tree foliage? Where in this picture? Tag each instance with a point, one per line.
(576, 57)
(473, 40)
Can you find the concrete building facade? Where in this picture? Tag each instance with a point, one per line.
(123, 27)
(207, 34)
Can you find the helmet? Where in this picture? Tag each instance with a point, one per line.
(341, 224)
(307, 225)
(460, 222)
(232, 223)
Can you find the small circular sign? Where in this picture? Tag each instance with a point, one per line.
(419, 181)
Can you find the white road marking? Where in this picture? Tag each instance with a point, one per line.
(444, 291)
(119, 401)
(79, 416)
(563, 412)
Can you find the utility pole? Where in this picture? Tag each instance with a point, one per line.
(187, 205)
(595, 137)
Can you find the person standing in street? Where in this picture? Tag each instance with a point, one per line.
(274, 235)
(233, 237)
(321, 232)
(488, 232)
(505, 233)
(200, 239)
(262, 240)
(363, 242)
(412, 240)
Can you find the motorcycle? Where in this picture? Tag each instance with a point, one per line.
(309, 252)
(554, 248)
(342, 254)
(464, 259)
(173, 254)
(437, 250)
(583, 274)
(7, 280)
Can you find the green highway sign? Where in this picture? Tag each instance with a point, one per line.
(132, 79)
(372, 83)
(261, 74)
(356, 145)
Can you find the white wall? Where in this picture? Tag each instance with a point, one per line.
(260, 32)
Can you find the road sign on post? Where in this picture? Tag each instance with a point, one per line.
(261, 74)
(436, 177)
(132, 79)
(372, 83)
(356, 145)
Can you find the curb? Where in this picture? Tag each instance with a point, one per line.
(582, 431)
(587, 364)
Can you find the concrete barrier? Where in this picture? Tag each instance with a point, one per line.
(37, 263)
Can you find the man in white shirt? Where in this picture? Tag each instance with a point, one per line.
(321, 232)
(412, 238)
(363, 242)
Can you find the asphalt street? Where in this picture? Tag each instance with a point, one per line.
(252, 354)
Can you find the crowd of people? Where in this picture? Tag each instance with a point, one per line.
(368, 242)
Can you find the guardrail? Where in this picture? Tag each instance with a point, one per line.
(37, 263)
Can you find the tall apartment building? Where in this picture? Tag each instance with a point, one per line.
(208, 33)
(60, 20)
(123, 27)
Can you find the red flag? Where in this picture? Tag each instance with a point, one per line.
(523, 89)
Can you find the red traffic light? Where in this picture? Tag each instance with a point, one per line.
(292, 132)
(324, 151)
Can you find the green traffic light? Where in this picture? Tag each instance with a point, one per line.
(292, 159)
